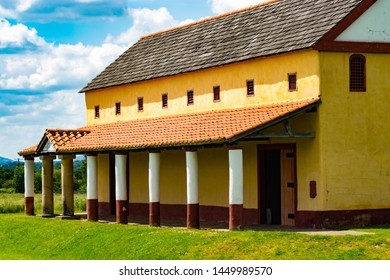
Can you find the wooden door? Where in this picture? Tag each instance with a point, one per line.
(288, 186)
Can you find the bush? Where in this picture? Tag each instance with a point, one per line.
(8, 209)
(9, 184)
(7, 190)
(11, 203)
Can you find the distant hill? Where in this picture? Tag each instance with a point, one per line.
(9, 163)
(6, 162)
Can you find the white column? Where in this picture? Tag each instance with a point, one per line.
(154, 189)
(192, 177)
(29, 186)
(236, 183)
(192, 189)
(236, 178)
(121, 188)
(154, 177)
(92, 188)
(120, 177)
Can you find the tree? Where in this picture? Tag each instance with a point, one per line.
(38, 181)
(18, 183)
(80, 176)
(6, 174)
(57, 179)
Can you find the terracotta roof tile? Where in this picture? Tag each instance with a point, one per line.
(62, 137)
(212, 127)
(28, 151)
(204, 128)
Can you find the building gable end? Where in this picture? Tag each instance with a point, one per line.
(45, 146)
(371, 26)
(365, 29)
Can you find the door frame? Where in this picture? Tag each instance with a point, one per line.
(260, 173)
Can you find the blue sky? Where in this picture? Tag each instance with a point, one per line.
(49, 50)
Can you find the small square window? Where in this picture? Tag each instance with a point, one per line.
(250, 88)
(217, 94)
(97, 111)
(117, 108)
(190, 97)
(140, 104)
(165, 100)
(292, 82)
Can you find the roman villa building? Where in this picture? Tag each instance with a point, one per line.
(274, 114)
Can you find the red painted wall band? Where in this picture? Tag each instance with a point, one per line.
(29, 206)
(235, 216)
(303, 219)
(121, 211)
(92, 210)
(154, 214)
(193, 216)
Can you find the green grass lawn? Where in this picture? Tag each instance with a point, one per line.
(14, 203)
(25, 238)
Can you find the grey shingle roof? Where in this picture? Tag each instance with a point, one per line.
(278, 27)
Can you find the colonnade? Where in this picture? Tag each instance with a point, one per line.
(121, 188)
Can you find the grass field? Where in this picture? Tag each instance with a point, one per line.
(14, 203)
(26, 238)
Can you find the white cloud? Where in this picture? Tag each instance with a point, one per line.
(222, 6)
(61, 109)
(18, 35)
(145, 21)
(49, 65)
(6, 13)
(24, 5)
(56, 66)
(87, 1)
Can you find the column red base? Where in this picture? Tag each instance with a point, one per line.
(29, 206)
(154, 214)
(235, 216)
(193, 216)
(121, 211)
(92, 210)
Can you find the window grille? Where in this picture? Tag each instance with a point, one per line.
(357, 73)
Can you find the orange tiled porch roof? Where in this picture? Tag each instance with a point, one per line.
(217, 127)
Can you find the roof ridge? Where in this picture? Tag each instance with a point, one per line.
(66, 130)
(210, 18)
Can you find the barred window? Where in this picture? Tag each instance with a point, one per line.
(250, 88)
(165, 100)
(292, 82)
(117, 108)
(140, 104)
(97, 111)
(357, 73)
(217, 93)
(190, 97)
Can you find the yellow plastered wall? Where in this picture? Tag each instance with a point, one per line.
(103, 178)
(270, 75)
(213, 172)
(138, 177)
(355, 134)
(173, 177)
(308, 158)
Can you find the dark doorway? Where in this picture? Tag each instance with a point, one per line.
(112, 185)
(270, 191)
(277, 198)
